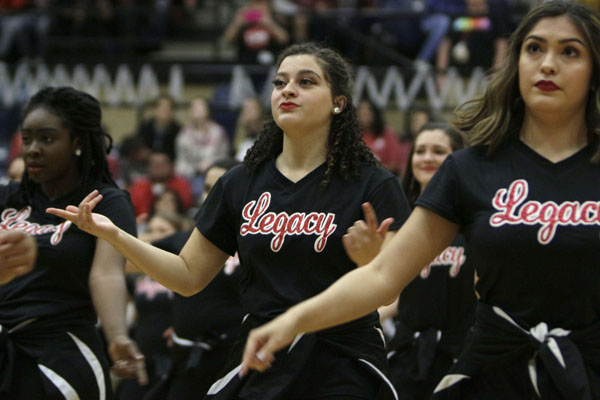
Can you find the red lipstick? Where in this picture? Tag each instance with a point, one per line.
(546, 86)
(288, 105)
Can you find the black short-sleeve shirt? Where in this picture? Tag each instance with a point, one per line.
(532, 227)
(214, 308)
(442, 296)
(289, 235)
(58, 285)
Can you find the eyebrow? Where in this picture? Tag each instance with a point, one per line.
(566, 40)
(301, 72)
(42, 129)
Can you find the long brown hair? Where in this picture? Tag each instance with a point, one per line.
(412, 187)
(497, 114)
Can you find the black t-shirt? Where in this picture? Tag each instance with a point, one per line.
(58, 286)
(442, 296)
(289, 235)
(216, 308)
(153, 303)
(532, 229)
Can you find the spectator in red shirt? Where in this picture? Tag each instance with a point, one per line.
(161, 176)
(382, 139)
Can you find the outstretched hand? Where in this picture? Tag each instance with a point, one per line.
(364, 239)
(82, 216)
(264, 341)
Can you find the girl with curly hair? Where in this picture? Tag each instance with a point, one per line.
(285, 211)
(525, 197)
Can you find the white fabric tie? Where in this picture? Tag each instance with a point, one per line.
(541, 334)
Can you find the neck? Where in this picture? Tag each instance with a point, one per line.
(554, 138)
(56, 189)
(301, 154)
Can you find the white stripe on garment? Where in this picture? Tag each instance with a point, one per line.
(221, 383)
(541, 334)
(382, 375)
(61, 384)
(189, 343)
(531, 367)
(381, 334)
(295, 342)
(450, 380)
(94, 365)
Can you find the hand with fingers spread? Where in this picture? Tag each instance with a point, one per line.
(264, 341)
(364, 239)
(129, 361)
(82, 216)
(18, 252)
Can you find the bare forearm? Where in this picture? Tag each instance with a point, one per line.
(167, 268)
(279, 33)
(379, 283)
(109, 295)
(343, 301)
(231, 31)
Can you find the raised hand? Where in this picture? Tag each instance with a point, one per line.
(17, 255)
(129, 362)
(364, 239)
(82, 216)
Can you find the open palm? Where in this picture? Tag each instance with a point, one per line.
(82, 216)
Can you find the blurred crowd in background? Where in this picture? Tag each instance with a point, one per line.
(164, 160)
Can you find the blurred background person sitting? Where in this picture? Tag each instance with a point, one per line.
(199, 144)
(256, 33)
(161, 176)
(160, 130)
(382, 139)
(249, 124)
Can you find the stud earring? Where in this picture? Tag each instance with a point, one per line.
(336, 110)
(78, 152)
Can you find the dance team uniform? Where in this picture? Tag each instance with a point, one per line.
(205, 327)
(533, 231)
(49, 345)
(435, 312)
(289, 240)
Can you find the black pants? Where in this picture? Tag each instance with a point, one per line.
(47, 360)
(27, 382)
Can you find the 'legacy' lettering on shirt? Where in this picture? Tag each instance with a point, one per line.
(514, 210)
(11, 219)
(261, 222)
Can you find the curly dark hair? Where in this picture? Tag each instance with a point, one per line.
(82, 116)
(346, 150)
